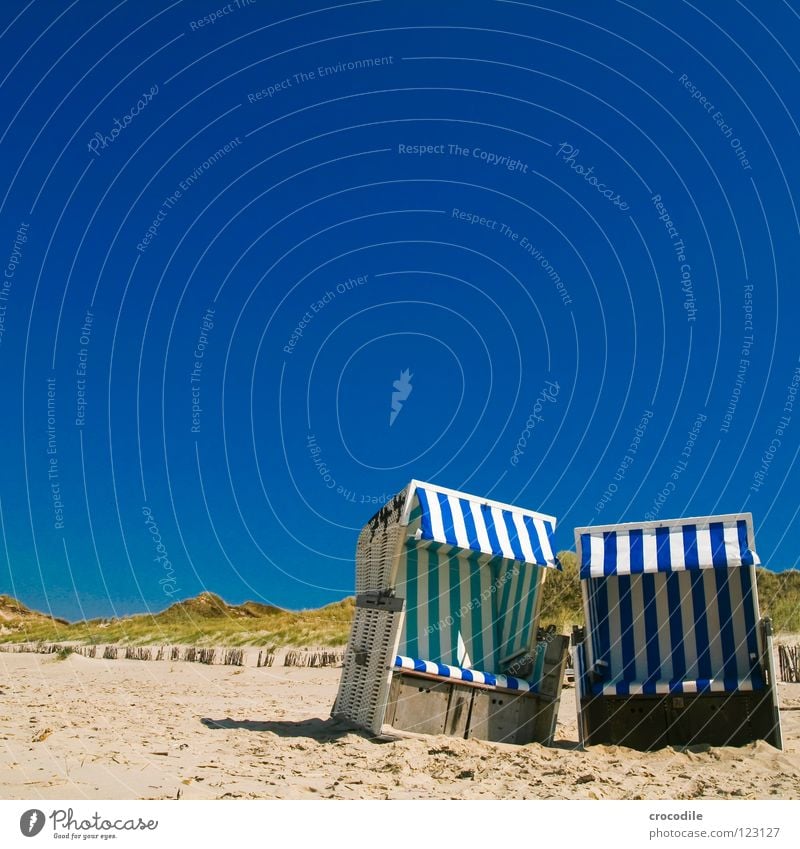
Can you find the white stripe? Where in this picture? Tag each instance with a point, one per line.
(639, 633)
(544, 540)
(662, 618)
(437, 526)
(650, 550)
(623, 552)
(712, 620)
(502, 533)
(446, 647)
(480, 527)
(733, 554)
(597, 555)
(524, 538)
(677, 556)
(739, 622)
(690, 686)
(458, 521)
(662, 687)
(704, 545)
(689, 625)
(614, 630)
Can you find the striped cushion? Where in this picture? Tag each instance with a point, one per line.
(445, 671)
(700, 685)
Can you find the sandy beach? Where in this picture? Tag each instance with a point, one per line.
(118, 729)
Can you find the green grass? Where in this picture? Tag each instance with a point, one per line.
(203, 621)
(208, 621)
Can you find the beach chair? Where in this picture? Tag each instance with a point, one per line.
(445, 637)
(674, 651)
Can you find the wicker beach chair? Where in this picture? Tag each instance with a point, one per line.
(445, 638)
(674, 651)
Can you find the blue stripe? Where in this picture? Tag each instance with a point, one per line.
(676, 625)
(447, 519)
(533, 536)
(609, 552)
(513, 535)
(636, 539)
(726, 623)
(469, 525)
(745, 553)
(663, 557)
(586, 555)
(717, 533)
(749, 616)
(627, 638)
(701, 625)
(488, 521)
(425, 519)
(690, 555)
(603, 628)
(651, 626)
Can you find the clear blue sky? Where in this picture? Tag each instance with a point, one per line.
(575, 227)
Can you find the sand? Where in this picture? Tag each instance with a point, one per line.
(126, 729)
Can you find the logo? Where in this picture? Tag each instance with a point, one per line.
(31, 822)
(403, 389)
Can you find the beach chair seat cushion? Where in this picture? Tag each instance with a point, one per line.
(475, 676)
(679, 687)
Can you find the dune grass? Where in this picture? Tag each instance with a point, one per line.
(208, 621)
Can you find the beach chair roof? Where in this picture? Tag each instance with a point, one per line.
(674, 545)
(470, 523)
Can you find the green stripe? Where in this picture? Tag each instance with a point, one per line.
(412, 602)
(434, 617)
(530, 606)
(500, 614)
(453, 566)
(513, 614)
(476, 614)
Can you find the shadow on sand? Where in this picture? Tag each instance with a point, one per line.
(322, 730)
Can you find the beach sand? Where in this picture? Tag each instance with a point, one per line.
(86, 728)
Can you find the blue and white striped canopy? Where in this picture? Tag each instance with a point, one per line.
(715, 542)
(474, 524)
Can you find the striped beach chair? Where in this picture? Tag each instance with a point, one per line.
(445, 637)
(674, 651)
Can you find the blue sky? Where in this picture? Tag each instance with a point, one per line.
(227, 231)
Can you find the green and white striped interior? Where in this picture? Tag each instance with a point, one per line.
(489, 603)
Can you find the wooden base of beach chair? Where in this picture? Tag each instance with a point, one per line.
(429, 704)
(653, 722)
